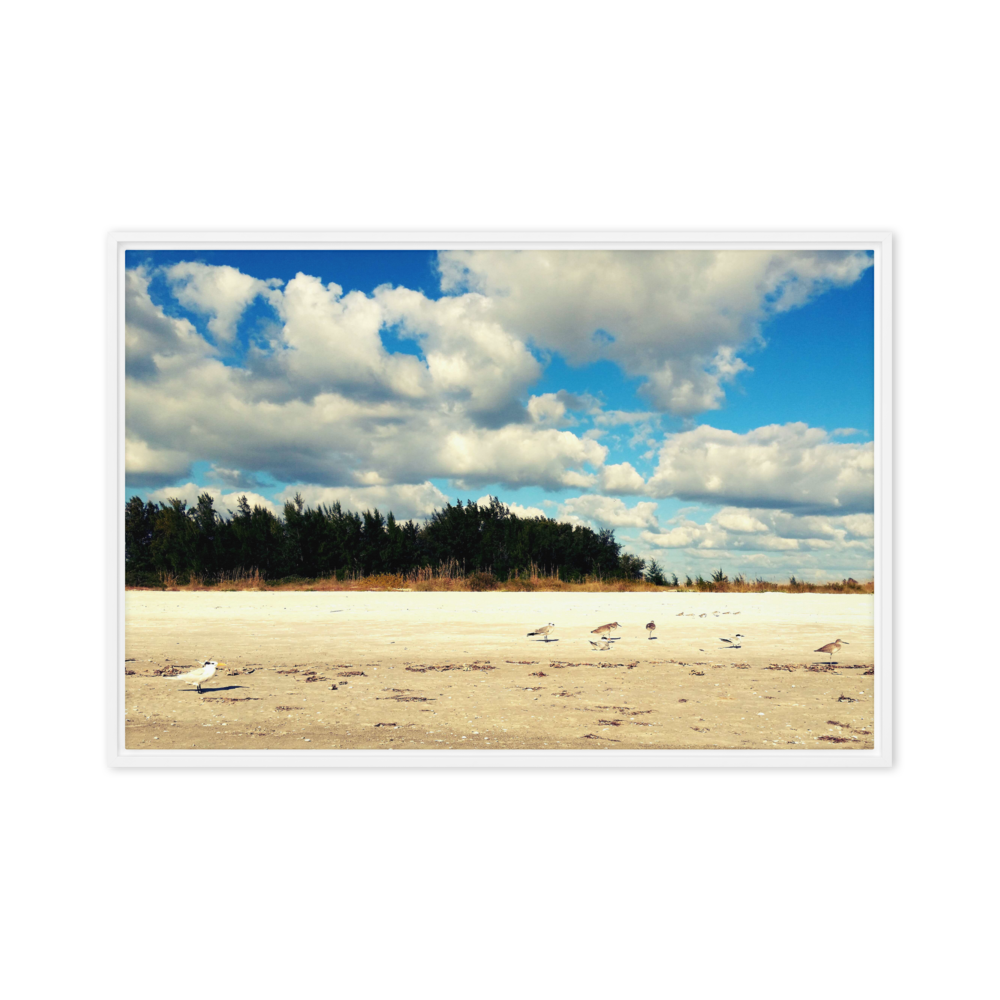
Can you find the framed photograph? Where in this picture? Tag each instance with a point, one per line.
(500, 499)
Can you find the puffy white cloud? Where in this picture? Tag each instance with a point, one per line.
(331, 342)
(621, 479)
(405, 501)
(220, 292)
(151, 336)
(780, 466)
(235, 479)
(687, 388)
(859, 525)
(607, 512)
(550, 409)
(470, 357)
(153, 465)
(759, 541)
(224, 502)
(515, 508)
(740, 522)
(517, 455)
(675, 317)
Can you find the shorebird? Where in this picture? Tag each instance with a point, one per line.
(199, 675)
(738, 635)
(605, 629)
(831, 648)
(603, 644)
(544, 631)
(650, 628)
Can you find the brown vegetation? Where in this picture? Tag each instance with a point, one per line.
(449, 577)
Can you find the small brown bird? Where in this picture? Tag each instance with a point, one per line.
(543, 631)
(605, 629)
(831, 648)
(650, 628)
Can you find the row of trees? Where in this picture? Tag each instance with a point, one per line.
(172, 539)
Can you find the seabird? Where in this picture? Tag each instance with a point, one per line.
(650, 628)
(831, 648)
(544, 631)
(199, 675)
(605, 629)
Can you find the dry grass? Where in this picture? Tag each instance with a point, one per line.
(449, 577)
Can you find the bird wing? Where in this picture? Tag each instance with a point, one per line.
(198, 673)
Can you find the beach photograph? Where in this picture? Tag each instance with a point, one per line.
(539, 499)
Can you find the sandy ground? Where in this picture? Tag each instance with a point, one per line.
(435, 670)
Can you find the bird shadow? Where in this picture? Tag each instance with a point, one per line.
(544, 640)
(228, 687)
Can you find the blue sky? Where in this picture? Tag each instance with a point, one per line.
(714, 408)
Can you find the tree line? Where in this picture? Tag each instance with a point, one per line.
(173, 540)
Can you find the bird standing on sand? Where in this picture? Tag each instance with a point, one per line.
(650, 628)
(544, 631)
(831, 648)
(604, 629)
(199, 675)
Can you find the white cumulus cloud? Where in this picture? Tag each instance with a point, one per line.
(675, 317)
(781, 466)
(607, 512)
(406, 501)
(220, 292)
(225, 503)
(515, 508)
